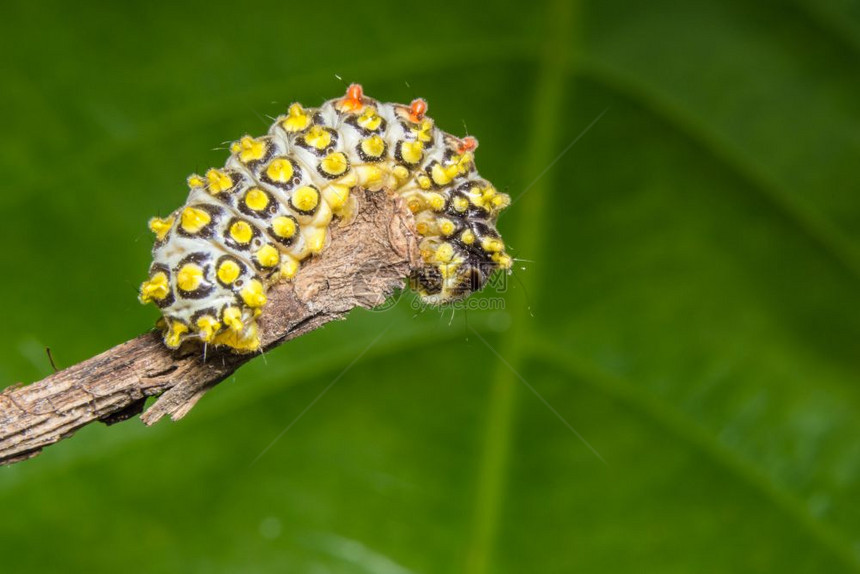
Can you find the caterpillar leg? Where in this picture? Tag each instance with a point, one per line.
(232, 327)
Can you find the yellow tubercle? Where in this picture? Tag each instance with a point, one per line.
(412, 152)
(436, 201)
(249, 149)
(444, 253)
(334, 164)
(190, 277)
(492, 245)
(504, 260)
(246, 340)
(268, 256)
(373, 147)
(174, 334)
(468, 237)
(289, 267)
(463, 162)
(501, 200)
(460, 204)
(233, 319)
(218, 181)
(228, 271)
(241, 232)
(256, 199)
(424, 181)
(369, 120)
(195, 180)
(443, 175)
(318, 137)
(305, 198)
(447, 227)
(160, 227)
(280, 170)
(155, 288)
(207, 327)
(422, 131)
(284, 227)
(401, 174)
(253, 294)
(297, 119)
(192, 220)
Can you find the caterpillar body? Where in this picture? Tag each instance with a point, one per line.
(251, 223)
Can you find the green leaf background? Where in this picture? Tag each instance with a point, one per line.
(686, 303)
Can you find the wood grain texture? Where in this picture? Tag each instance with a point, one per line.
(366, 261)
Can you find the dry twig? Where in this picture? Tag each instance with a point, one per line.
(366, 262)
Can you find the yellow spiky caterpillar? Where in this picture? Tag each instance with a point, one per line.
(251, 223)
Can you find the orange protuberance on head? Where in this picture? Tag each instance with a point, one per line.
(468, 143)
(417, 109)
(354, 98)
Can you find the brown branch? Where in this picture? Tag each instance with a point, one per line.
(366, 262)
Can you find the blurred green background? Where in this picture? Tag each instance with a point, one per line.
(687, 299)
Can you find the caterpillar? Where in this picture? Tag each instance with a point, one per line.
(251, 223)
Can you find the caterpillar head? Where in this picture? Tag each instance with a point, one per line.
(459, 263)
(444, 283)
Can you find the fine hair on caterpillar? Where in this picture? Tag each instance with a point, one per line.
(251, 223)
